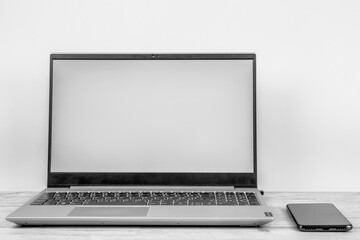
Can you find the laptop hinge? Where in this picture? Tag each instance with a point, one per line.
(235, 187)
(139, 188)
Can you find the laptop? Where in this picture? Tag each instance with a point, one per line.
(150, 139)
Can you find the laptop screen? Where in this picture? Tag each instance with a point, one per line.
(159, 116)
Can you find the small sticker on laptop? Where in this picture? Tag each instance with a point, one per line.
(268, 214)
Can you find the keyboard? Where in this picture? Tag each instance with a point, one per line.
(149, 198)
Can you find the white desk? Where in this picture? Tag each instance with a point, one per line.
(282, 228)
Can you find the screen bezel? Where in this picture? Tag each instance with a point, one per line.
(67, 179)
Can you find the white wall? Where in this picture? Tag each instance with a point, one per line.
(308, 75)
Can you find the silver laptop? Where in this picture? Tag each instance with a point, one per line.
(150, 139)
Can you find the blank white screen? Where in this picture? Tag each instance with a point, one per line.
(152, 116)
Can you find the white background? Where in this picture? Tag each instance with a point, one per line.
(308, 76)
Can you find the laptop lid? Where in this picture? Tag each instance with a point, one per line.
(152, 119)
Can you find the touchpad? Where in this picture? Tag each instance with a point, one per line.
(109, 212)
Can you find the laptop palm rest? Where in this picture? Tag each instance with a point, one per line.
(109, 212)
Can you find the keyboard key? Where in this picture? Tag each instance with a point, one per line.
(76, 202)
(50, 202)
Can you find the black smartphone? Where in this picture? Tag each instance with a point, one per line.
(318, 217)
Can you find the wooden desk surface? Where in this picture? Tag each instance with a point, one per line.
(282, 228)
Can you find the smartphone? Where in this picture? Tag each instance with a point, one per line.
(318, 217)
